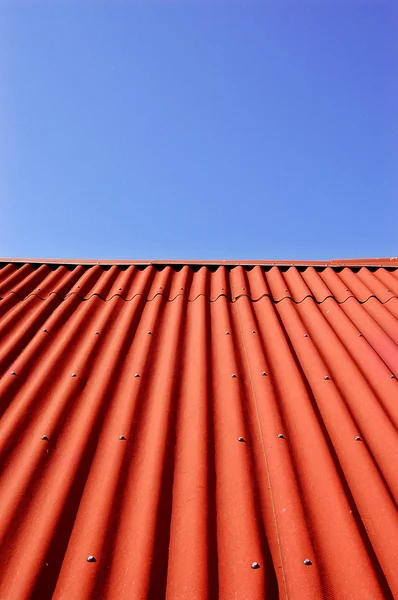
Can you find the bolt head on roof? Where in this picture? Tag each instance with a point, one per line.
(136, 374)
(307, 561)
(91, 558)
(255, 565)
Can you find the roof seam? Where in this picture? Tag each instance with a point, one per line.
(206, 296)
(264, 453)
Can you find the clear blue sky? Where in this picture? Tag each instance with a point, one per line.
(199, 130)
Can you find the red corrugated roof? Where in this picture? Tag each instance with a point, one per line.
(183, 425)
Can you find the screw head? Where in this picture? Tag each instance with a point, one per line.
(264, 374)
(227, 333)
(253, 331)
(13, 373)
(357, 438)
(160, 287)
(327, 378)
(388, 290)
(359, 334)
(307, 561)
(181, 288)
(243, 289)
(45, 331)
(306, 335)
(280, 435)
(120, 289)
(44, 437)
(97, 333)
(233, 375)
(91, 558)
(222, 289)
(121, 437)
(392, 376)
(74, 375)
(38, 289)
(241, 439)
(255, 565)
(149, 332)
(136, 374)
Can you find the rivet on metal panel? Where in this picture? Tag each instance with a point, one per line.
(120, 289)
(243, 289)
(136, 374)
(346, 289)
(181, 288)
(38, 289)
(121, 437)
(149, 332)
(264, 374)
(307, 561)
(255, 565)
(13, 373)
(44, 437)
(241, 439)
(306, 335)
(357, 438)
(359, 334)
(222, 289)
(327, 378)
(392, 376)
(45, 331)
(227, 333)
(97, 333)
(74, 375)
(91, 558)
(280, 435)
(253, 331)
(233, 375)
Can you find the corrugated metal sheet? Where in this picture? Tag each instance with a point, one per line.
(179, 425)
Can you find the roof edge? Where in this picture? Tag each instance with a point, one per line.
(351, 262)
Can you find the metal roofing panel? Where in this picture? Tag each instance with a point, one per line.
(200, 432)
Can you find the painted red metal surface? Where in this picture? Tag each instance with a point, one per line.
(182, 426)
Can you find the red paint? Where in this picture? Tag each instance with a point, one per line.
(180, 509)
